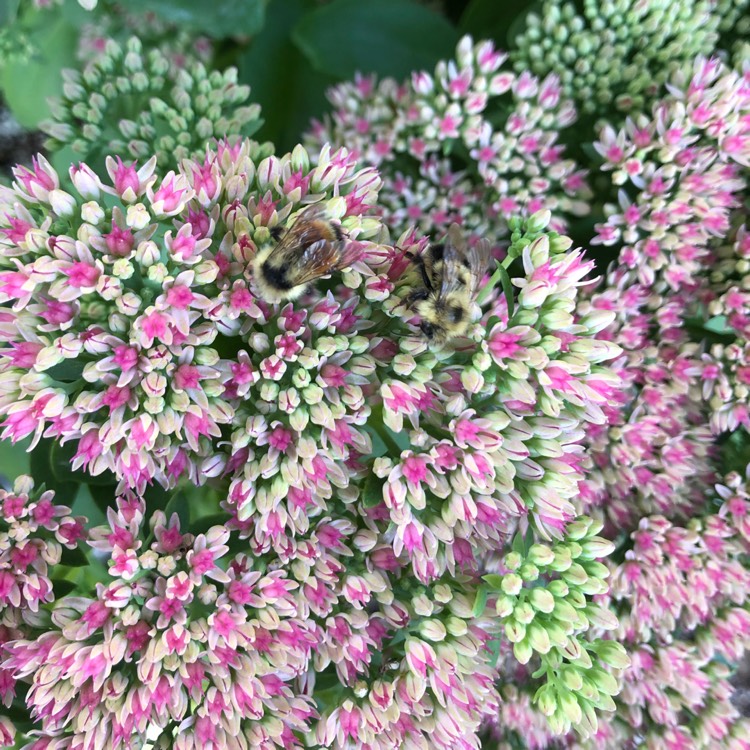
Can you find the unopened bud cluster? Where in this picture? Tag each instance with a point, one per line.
(136, 103)
(619, 52)
(545, 602)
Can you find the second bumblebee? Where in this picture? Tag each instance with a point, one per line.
(451, 273)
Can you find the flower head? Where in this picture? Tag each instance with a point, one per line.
(500, 129)
(619, 53)
(187, 105)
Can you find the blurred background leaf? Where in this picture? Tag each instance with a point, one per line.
(27, 84)
(388, 37)
(216, 18)
(490, 19)
(289, 91)
(8, 10)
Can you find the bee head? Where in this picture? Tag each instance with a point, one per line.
(433, 332)
(427, 329)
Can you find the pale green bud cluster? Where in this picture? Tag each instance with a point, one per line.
(15, 46)
(523, 232)
(617, 51)
(136, 103)
(544, 602)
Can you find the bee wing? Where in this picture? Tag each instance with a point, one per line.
(304, 231)
(319, 259)
(450, 270)
(455, 255)
(479, 261)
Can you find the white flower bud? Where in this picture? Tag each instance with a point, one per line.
(137, 217)
(62, 203)
(92, 212)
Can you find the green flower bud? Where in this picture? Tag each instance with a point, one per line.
(595, 569)
(546, 699)
(542, 600)
(504, 606)
(564, 611)
(514, 631)
(523, 652)
(577, 599)
(562, 560)
(572, 678)
(541, 554)
(558, 635)
(604, 681)
(575, 575)
(559, 589)
(569, 706)
(601, 617)
(605, 703)
(538, 222)
(524, 613)
(512, 584)
(597, 547)
(513, 561)
(539, 638)
(612, 653)
(594, 587)
(575, 549)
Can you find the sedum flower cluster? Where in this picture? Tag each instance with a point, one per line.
(154, 32)
(681, 592)
(473, 143)
(35, 537)
(681, 596)
(726, 365)
(138, 103)
(679, 177)
(619, 52)
(328, 592)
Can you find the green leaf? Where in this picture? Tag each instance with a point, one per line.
(202, 525)
(27, 85)
(494, 647)
(62, 588)
(505, 282)
(14, 459)
(289, 91)
(74, 558)
(8, 11)
(92, 502)
(219, 18)
(67, 371)
(389, 37)
(179, 504)
(490, 19)
(156, 497)
(372, 493)
(480, 603)
(517, 545)
(735, 452)
(49, 470)
(718, 324)
(494, 581)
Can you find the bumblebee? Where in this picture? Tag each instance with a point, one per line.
(451, 273)
(312, 247)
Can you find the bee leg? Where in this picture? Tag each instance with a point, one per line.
(416, 296)
(277, 232)
(418, 261)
